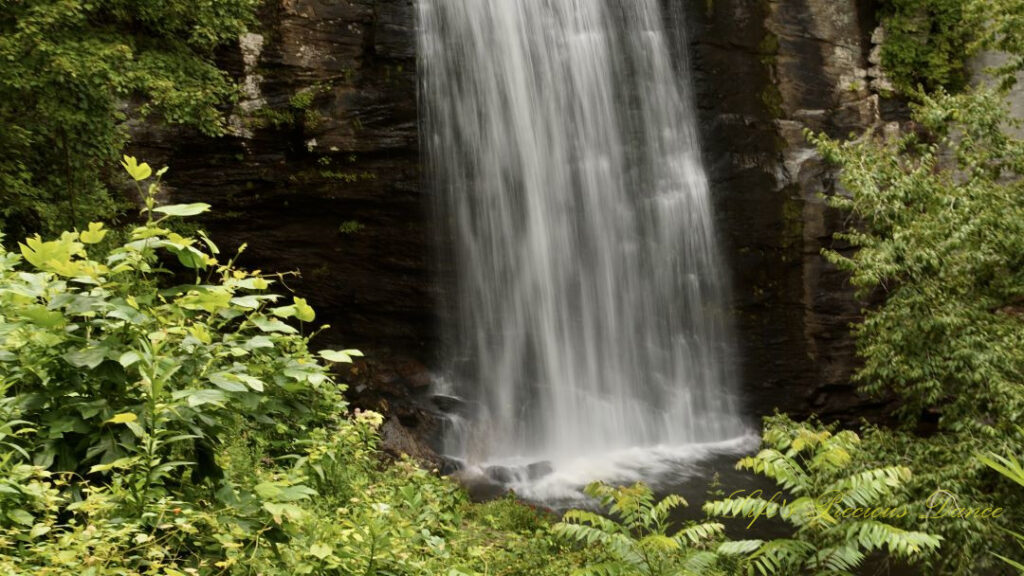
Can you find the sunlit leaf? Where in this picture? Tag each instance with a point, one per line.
(94, 234)
(123, 418)
(303, 311)
(137, 171)
(183, 209)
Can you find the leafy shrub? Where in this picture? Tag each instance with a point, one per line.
(186, 429)
(113, 373)
(840, 512)
(942, 237)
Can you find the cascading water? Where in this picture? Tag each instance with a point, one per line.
(590, 309)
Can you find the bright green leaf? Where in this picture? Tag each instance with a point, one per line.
(123, 418)
(137, 171)
(94, 234)
(183, 209)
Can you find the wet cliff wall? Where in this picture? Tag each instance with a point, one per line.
(321, 173)
(766, 71)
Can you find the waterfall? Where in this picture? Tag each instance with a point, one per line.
(590, 308)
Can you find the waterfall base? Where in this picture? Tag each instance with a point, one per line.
(560, 484)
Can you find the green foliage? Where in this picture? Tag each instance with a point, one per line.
(1011, 468)
(508, 538)
(839, 511)
(942, 236)
(110, 374)
(72, 72)
(120, 394)
(636, 539)
(351, 227)
(953, 494)
(300, 111)
(926, 43)
(161, 413)
(1000, 26)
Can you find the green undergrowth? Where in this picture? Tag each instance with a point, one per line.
(163, 412)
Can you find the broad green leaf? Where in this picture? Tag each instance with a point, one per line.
(284, 311)
(267, 490)
(137, 171)
(94, 234)
(21, 517)
(123, 418)
(128, 358)
(336, 356)
(183, 209)
(272, 325)
(207, 299)
(259, 341)
(280, 511)
(320, 551)
(303, 311)
(280, 492)
(190, 257)
(46, 255)
(340, 355)
(42, 317)
(227, 381)
(39, 530)
(209, 243)
(253, 382)
(250, 302)
(254, 283)
(199, 397)
(116, 464)
(90, 357)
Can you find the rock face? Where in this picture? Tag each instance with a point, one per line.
(322, 176)
(766, 71)
(322, 173)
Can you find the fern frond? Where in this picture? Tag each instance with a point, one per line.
(658, 543)
(583, 533)
(779, 467)
(743, 508)
(809, 439)
(873, 535)
(866, 488)
(808, 512)
(739, 547)
(837, 560)
(699, 533)
(591, 518)
(831, 457)
(661, 511)
(699, 564)
(781, 556)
